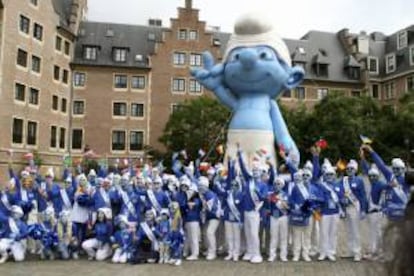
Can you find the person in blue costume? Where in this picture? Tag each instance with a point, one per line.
(49, 237)
(255, 193)
(99, 247)
(68, 244)
(13, 240)
(256, 69)
(374, 214)
(164, 228)
(104, 196)
(355, 206)
(301, 208)
(8, 198)
(212, 208)
(332, 195)
(279, 209)
(176, 237)
(62, 196)
(129, 199)
(122, 240)
(156, 197)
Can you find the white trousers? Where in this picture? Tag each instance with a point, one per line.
(278, 236)
(211, 229)
(192, 231)
(233, 231)
(92, 247)
(329, 234)
(251, 229)
(119, 256)
(17, 248)
(353, 234)
(375, 224)
(301, 240)
(315, 234)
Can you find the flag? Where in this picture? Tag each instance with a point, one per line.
(220, 149)
(341, 165)
(201, 153)
(204, 166)
(365, 140)
(321, 143)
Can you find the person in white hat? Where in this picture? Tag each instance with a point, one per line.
(355, 207)
(122, 240)
(14, 237)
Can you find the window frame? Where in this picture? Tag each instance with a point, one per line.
(116, 75)
(119, 54)
(31, 90)
(27, 21)
(21, 85)
(29, 122)
(90, 52)
(191, 37)
(178, 90)
(196, 60)
(179, 58)
(182, 34)
(23, 133)
(64, 138)
(75, 108)
(81, 139)
(193, 84)
(142, 77)
(321, 93)
(54, 96)
(137, 116)
(39, 60)
(130, 140)
(38, 31)
(64, 105)
(376, 72)
(119, 103)
(387, 65)
(125, 140)
(76, 79)
(26, 59)
(302, 89)
(53, 139)
(401, 44)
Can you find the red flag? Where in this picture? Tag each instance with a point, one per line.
(322, 144)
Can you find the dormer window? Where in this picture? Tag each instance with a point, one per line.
(373, 65)
(354, 73)
(402, 40)
(216, 42)
(390, 63)
(119, 54)
(412, 55)
(321, 63)
(90, 52)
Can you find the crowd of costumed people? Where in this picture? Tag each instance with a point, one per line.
(203, 211)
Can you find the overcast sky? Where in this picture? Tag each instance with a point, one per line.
(293, 17)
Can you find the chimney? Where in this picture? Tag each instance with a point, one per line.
(188, 4)
(74, 13)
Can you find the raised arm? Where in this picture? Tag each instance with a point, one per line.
(247, 176)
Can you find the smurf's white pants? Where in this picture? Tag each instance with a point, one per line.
(119, 256)
(17, 248)
(301, 240)
(93, 248)
(212, 226)
(353, 236)
(329, 234)
(233, 230)
(251, 142)
(278, 236)
(375, 223)
(193, 232)
(251, 229)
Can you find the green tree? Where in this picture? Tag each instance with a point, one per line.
(197, 124)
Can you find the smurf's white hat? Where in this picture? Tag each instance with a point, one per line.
(254, 29)
(92, 172)
(308, 165)
(203, 182)
(397, 163)
(106, 211)
(373, 170)
(352, 164)
(50, 173)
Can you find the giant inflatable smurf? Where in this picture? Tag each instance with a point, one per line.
(255, 71)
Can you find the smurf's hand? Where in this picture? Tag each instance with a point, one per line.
(210, 76)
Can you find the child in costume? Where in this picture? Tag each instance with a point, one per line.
(68, 244)
(176, 236)
(49, 239)
(122, 240)
(164, 228)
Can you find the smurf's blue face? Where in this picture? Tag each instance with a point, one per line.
(257, 70)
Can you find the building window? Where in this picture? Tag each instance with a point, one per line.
(354, 73)
(64, 107)
(322, 70)
(31, 133)
(390, 63)
(373, 65)
(19, 92)
(175, 108)
(38, 31)
(412, 56)
(56, 72)
(410, 83)
(24, 24)
(78, 107)
(119, 109)
(79, 79)
(179, 58)
(195, 60)
(36, 64)
(402, 40)
(17, 131)
(356, 93)
(389, 90)
(118, 140)
(53, 136)
(65, 77)
(58, 43)
(178, 85)
(375, 91)
(34, 2)
(182, 34)
(34, 96)
(121, 81)
(322, 93)
(195, 87)
(90, 52)
(300, 93)
(287, 94)
(138, 82)
(55, 102)
(62, 138)
(136, 140)
(137, 110)
(193, 35)
(22, 58)
(77, 137)
(120, 54)
(67, 47)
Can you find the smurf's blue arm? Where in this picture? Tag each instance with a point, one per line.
(365, 166)
(243, 169)
(282, 134)
(381, 165)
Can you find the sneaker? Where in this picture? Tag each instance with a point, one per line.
(313, 253)
(161, 261)
(90, 258)
(178, 262)
(52, 256)
(171, 261)
(75, 256)
(247, 257)
(306, 258)
(283, 259)
(295, 258)
(211, 257)
(235, 258)
(357, 258)
(4, 258)
(192, 258)
(271, 258)
(256, 260)
(322, 257)
(332, 258)
(228, 257)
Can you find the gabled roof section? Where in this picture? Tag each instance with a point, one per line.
(140, 40)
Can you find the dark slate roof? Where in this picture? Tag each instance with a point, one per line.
(325, 48)
(350, 61)
(63, 9)
(139, 40)
(223, 38)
